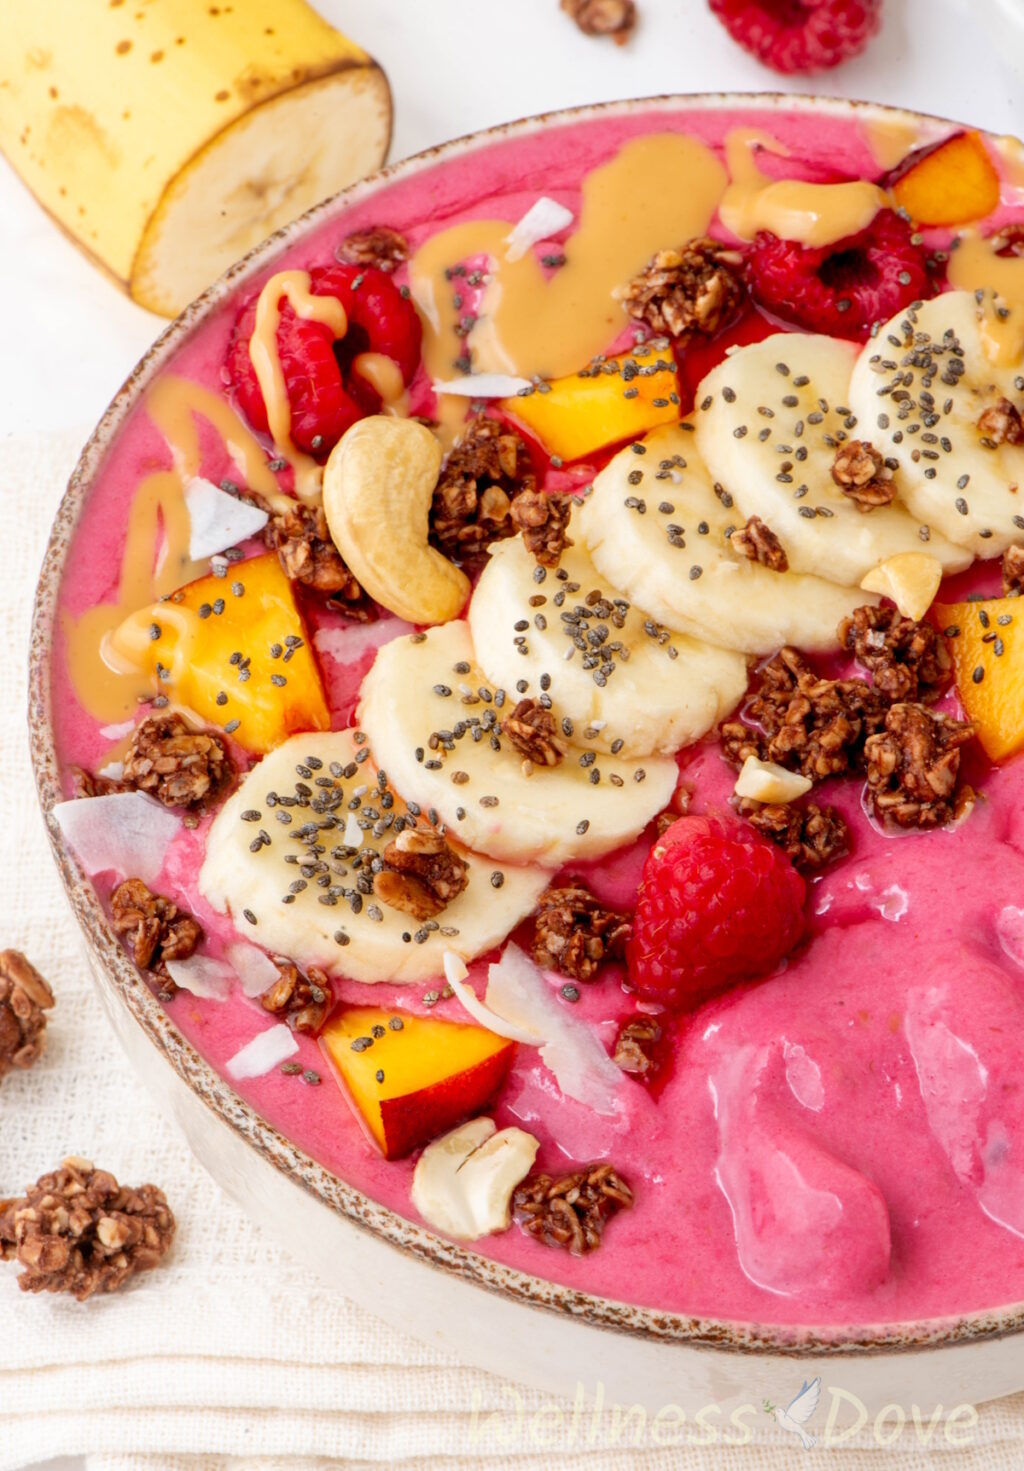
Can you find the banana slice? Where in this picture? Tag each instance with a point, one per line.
(421, 708)
(279, 882)
(770, 437)
(656, 529)
(610, 669)
(919, 389)
(378, 485)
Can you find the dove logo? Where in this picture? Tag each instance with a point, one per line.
(797, 1413)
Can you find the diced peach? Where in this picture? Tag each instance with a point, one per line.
(602, 405)
(411, 1082)
(948, 185)
(986, 640)
(232, 649)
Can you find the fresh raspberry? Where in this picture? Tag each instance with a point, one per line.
(841, 289)
(717, 904)
(325, 395)
(800, 35)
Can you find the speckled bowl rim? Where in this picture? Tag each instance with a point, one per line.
(124, 983)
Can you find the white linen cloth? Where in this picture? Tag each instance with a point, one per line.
(231, 1357)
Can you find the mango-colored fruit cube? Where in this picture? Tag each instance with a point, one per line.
(948, 185)
(411, 1078)
(986, 641)
(601, 405)
(235, 651)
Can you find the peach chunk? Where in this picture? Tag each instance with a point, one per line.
(601, 405)
(986, 640)
(411, 1078)
(948, 185)
(234, 650)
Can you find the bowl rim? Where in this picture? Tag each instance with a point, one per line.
(124, 981)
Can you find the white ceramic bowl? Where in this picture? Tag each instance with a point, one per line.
(524, 1327)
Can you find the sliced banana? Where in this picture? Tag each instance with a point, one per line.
(770, 438)
(918, 390)
(655, 528)
(280, 882)
(463, 1182)
(610, 670)
(432, 721)
(378, 485)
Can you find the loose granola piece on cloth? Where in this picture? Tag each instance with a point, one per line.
(422, 873)
(25, 998)
(615, 18)
(78, 1231)
(575, 933)
(696, 289)
(571, 1211)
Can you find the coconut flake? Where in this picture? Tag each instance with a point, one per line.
(347, 644)
(456, 974)
(113, 771)
(126, 832)
(254, 968)
(117, 732)
(483, 385)
(353, 835)
(265, 1051)
(544, 218)
(218, 520)
(203, 976)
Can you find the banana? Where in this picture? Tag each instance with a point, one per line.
(166, 140)
(434, 725)
(279, 882)
(656, 528)
(463, 1182)
(611, 670)
(378, 485)
(919, 389)
(770, 437)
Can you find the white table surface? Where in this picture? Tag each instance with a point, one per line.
(455, 65)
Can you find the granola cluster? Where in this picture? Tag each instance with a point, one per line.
(1013, 571)
(908, 660)
(692, 291)
(571, 1211)
(78, 1231)
(1001, 423)
(636, 1047)
(912, 767)
(422, 873)
(543, 521)
(25, 998)
(575, 933)
(861, 473)
(154, 928)
(303, 1000)
(810, 836)
(381, 247)
(615, 18)
(177, 765)
(530, 729)
(759, 543)
(301, 538)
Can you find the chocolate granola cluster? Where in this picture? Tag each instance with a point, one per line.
(575, 933)
(913, 765)
(531, 730)
(422, 873)
(862, 474)
(303, 999)
(25, 998)
(380, 246)
(154, 928)
(615, 18)
(302, 540)
(810, 836)
(78, 1231)
(695, 290)
(758, 543)
(908, 660)
(177, 765)
(571, 1211)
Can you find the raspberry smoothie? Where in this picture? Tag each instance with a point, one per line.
(814, 1017)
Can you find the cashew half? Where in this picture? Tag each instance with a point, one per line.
(463, 1182)
(378, 485)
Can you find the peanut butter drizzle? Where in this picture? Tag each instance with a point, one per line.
(656, 192)
(975, 266)
(384, 376)
(891, 139)
(293, 285)
(156, 561)
(812, 214)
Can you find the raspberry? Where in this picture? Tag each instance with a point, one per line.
(841, 289)
(325, 395)
(717, 904)
(800, 35)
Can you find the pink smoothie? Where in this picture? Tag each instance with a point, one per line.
(839, 1144)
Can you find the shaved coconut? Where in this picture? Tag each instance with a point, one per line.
(123, 832)
(218, 520)
(264, 1052)
(353, 837)
(202, 975)
(543, 219)
(254, 968)
(483, 385)
(117, 732)
(350, 643)
(113, 771)
(456, 974)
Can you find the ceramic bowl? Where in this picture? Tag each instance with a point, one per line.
(559, 1340)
